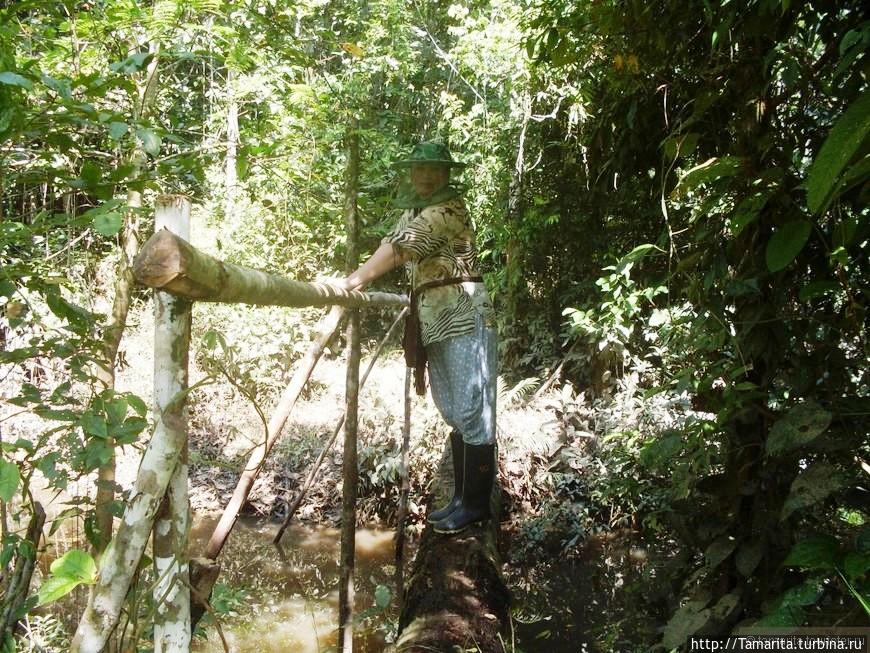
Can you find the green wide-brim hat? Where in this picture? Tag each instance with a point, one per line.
(428, 152)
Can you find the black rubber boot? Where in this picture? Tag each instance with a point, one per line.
(474, 502)
(458, 454)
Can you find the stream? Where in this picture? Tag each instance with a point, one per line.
(272, 599)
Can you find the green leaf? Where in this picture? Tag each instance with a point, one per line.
(748, 556)
(126, 433)
(108, 224)
(91, 174)
(637, 253)
(786, 243)
(801, 424)
(747, 211)
(383, 595)
(116, 410)
(686, 621)
(133, 63)
(814, 552)
(845, 140)
(76, 564)
(78, 318)
(816, 289)
(807, 593)
(719, 550)
(9, 479)
(150, 141)
(856, 564)
(54, 588)
(117, 130)
(710, 170)
(656, 453)
(97, 453)
(94, 424)
(137, 405)
(811, 486)
(14, 79)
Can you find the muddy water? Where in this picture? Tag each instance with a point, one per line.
(286, 599)
(289, 599)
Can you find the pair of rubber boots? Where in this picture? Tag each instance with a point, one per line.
(473, 476)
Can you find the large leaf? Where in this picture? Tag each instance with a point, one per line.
(108, 224)
(856, 564)
(846, 137)
(55, 587)
(14, 79)
(710, 170)
(9, 478)
(719, 550)
(813, 485)
(686, 621)
(814, 552)
(76, 564)
(800, 425)
(74, 568)
(786, 243)
(150, 141)
(748, 556)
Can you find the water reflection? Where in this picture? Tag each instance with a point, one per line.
(286, 599)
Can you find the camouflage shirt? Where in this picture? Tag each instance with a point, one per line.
(440, 242)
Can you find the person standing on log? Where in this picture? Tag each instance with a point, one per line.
(451, 323)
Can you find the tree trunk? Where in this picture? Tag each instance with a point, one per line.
(171, 592)
(122, 556)
(174, 265)
(15, 581)
(456, 598)
(124, 284)
(350, 472)
(231, 175)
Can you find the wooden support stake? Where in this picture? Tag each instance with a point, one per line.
(327, 330)
(350, 470)
(403, 494)
(171, 346)
(315, 467)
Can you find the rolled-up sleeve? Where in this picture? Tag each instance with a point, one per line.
(427, 232)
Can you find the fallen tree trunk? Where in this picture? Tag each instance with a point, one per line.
(456, 597)
(175, 266)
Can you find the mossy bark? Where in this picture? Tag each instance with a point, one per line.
(171, 529)
(162, 455)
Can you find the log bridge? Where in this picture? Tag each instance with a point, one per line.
(455, 599)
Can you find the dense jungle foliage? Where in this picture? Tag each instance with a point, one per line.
(670, 195)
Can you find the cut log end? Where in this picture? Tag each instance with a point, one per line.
(159, 261)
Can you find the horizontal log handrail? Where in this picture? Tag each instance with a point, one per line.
(175, 266)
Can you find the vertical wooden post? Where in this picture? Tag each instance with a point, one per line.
(121, 558)
(171, 345)
(403, 494)
(350, 471)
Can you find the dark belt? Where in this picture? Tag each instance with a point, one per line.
(412, 341)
